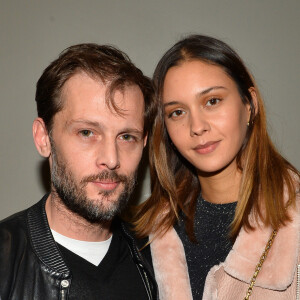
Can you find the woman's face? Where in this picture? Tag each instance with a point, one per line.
(204, 115)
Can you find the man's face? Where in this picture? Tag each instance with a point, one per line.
(95, 152)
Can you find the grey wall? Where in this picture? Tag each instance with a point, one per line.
(32, 33)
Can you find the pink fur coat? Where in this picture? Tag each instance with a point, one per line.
(277, 279)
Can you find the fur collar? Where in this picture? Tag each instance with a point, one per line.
(170, 267)
(279, 268)
(277, 273)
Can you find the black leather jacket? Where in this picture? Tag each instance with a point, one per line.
(31, 266)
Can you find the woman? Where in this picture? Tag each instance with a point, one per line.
(223, 199)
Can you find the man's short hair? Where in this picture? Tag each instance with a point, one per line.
(107, 63)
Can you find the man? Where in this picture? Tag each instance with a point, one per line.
(94, 112)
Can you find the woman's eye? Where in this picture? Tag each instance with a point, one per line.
(86, 133)
(212, 101)
(176, 113)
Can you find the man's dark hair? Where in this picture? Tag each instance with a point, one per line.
(107, 63)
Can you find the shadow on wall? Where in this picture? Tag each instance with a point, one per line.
(45, 178)
(137, 194)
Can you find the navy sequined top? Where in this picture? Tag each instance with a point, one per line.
(212, 224)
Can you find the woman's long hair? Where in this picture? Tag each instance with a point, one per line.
(266, 175)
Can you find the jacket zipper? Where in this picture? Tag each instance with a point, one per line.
(298, 283)
(139, 266)
(63, 294)
(145, 280)
(142, 273)
(64, 287)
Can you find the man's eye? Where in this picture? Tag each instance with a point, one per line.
(176, 113)
(127, 137)
(212, 101)
(86, 133)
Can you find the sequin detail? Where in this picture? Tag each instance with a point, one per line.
(212, 222)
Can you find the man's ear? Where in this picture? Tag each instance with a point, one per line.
(41, 137)
(145, 140)
(253, 94)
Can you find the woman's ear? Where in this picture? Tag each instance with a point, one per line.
(41, 137)
(253, 94)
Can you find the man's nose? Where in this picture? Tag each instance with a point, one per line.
(108, 154)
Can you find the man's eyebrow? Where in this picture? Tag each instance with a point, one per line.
(132, 130)
(202, 93)
(83, 122)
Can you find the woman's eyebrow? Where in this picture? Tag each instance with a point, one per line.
(204, 92)
(171, 103)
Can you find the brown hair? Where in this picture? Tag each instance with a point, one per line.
(107, 63)
(174, 182)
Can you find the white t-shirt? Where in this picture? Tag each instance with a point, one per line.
(93, 252)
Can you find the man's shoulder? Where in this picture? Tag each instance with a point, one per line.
(17, 221)
(13, 237)
(141, 244)
(126, 229)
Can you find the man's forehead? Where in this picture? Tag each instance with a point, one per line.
(84, 100)
(116, 97)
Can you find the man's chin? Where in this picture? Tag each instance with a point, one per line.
(102, 207)
(105, 198)
(97, 211)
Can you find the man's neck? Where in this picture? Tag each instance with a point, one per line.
(71, 225)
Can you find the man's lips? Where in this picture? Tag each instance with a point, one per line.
(207, 147)
(106, 185)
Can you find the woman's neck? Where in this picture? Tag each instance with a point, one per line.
(221, 187)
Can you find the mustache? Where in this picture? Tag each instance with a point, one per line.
(104, 175)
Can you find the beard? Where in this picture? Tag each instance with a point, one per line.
(74, 196)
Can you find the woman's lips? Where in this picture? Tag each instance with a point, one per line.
(207, 147)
